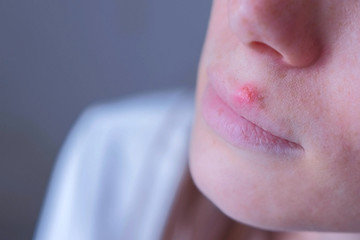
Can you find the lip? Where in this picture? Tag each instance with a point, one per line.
(232, 122)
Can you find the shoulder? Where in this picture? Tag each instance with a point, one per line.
(134, 118)
(118, 154)
(135, 109)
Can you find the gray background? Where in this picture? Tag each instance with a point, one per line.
(57, 57)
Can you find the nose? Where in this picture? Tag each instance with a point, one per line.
(288, 27)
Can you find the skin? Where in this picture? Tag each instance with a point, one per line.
(304, 56)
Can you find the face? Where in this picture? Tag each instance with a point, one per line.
(276, 137)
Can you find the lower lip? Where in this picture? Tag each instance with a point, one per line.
(238, 131)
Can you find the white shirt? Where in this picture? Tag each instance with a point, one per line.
(118, 172)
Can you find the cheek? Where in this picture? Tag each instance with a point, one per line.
(220, 40)
(339, 124)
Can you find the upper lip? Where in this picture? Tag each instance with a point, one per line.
(253, 113)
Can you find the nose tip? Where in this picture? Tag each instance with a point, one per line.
(287, 27)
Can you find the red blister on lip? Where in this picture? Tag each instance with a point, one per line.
(246, 94)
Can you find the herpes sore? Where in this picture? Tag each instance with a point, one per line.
(247, 94)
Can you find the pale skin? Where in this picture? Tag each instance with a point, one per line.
(303, 57)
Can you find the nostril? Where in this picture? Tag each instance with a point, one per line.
(280, 30)
(265, 49)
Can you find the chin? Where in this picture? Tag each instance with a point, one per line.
(255, 190)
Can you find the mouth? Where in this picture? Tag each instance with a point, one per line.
(232, 124)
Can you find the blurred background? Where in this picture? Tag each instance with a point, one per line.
(57, 57)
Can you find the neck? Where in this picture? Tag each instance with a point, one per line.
(314, 236)
(251, 233)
